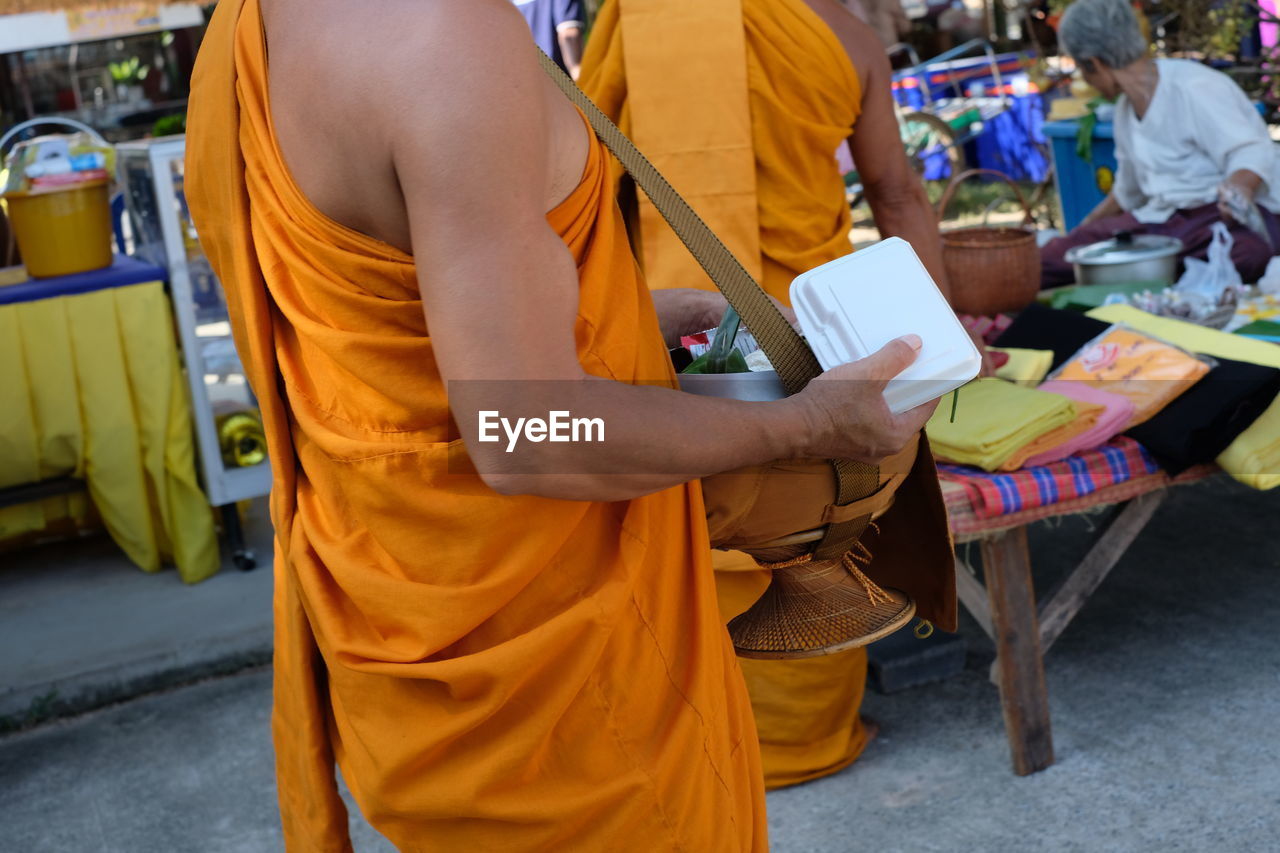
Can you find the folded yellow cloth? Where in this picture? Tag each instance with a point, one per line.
(1254, 457)
(1025, 366)
(1087, 415)
(1191, 337)
(995, 420)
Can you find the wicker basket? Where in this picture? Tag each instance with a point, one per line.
(990, 270)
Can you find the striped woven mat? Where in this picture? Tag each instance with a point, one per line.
(980, 502)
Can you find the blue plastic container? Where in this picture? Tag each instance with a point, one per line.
(1081, 183)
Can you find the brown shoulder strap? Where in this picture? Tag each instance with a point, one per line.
(787, 351)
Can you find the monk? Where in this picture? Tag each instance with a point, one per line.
(781, 84)
(501, 647)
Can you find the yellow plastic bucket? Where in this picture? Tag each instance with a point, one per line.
(62, 231)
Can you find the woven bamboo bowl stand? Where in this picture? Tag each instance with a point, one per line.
(815, 607)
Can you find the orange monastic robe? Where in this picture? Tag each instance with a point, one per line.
(489, 672)
(743, 103)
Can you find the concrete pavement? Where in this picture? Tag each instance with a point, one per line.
(1164, 693)
(92, 628)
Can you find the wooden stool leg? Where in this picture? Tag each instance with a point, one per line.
(1007, 565)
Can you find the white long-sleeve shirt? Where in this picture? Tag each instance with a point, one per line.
(1199, 128)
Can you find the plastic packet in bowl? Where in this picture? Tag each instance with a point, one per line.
(744, 342)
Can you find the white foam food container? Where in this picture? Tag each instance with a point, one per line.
(851, 307)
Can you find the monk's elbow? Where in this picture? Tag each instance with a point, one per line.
(581, 487)
(537, 475)
(506, 484)
(539, 472)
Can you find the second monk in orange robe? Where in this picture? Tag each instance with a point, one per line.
(742, 104)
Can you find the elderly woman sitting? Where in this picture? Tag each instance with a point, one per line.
(1190, 146)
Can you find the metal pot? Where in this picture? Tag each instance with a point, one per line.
(761, 386)
(1127, 258)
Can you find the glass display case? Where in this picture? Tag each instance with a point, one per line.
(232, 448)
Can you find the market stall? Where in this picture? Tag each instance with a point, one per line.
(232, 449)
(1121, 479)
(91, 389)
(1225, 419)
(120, 373)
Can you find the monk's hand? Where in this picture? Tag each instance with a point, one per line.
(688, 310)
(846, 413)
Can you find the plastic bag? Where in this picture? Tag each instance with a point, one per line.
(1207, 293)
(741, 358)
(1147, 370)
(1209, 284)
(1270, 281)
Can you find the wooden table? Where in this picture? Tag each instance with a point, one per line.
(1023, 625)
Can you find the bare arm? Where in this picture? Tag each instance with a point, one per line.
(570, 38)
(1247, 180)
(1107, 207)
(1232, 133)
(897, 196)
(478, 223)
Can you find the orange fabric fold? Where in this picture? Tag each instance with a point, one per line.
(742, 104)
(489, 672)
(1087, 415)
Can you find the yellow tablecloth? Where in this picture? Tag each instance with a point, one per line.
(90, 386)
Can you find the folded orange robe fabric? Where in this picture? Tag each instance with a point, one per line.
(1116, 412)
(489, 672)
(1127, 362)
(752, 148)
(1087, 415)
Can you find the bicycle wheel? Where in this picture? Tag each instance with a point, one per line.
(931, 146)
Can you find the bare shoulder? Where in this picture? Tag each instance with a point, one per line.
(365, 102)
(860, 41)
(405, 48)
(406, 21)
(448, 71)
(464, 92)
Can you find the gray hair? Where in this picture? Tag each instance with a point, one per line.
(1102, 29)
